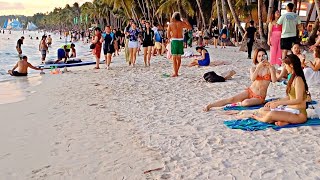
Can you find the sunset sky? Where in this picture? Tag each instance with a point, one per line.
(30, 7)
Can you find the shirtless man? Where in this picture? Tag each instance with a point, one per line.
(175, 34)
(49, 41)
(22, 66)
(43, 48)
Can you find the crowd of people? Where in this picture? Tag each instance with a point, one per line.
(285, 52)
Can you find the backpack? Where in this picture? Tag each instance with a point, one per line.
(213, 77)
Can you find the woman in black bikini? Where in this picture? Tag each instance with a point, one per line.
(148, 43)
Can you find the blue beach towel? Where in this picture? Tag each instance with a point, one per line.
(241, 108)
(254, 125)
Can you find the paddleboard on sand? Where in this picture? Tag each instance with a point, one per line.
(62, 65)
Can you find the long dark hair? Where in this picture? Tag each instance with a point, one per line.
(297, 71)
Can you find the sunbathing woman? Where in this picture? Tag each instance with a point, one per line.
(261, 75)
(204, 60)
(294, 105)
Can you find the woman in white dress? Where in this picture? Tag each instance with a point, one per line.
(312, 71)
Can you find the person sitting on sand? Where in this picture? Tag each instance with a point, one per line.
(22, 66)
(292, 109)
(296, 51)
(261, 75)
(204, 60)
(312, 70)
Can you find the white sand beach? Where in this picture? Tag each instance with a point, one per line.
(133, 123)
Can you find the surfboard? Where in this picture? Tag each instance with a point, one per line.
(62, 65)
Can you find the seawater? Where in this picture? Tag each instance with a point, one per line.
(12, 88)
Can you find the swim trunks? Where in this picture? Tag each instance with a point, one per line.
(43, 54)
(177, 47)
(16, 73)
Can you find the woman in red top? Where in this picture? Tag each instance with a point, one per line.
(97, 50)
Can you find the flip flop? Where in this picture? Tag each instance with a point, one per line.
(165, 75)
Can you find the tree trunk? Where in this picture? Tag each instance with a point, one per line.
(224, 11)
(295, 2)
(270, 10)
(261, 31)
(218, 15)
(249, 6)
(235, 16)
(299, 7)
(317, 7)
(201, 14)
(313, 34)
(310, 13)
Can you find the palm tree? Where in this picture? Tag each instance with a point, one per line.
(218, 14)
(169, 6)
(270, 10)
(261, 31)
(235, 17)
(201, 14)
(317, 7)
(224, 11)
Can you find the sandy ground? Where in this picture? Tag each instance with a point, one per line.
(122, 123)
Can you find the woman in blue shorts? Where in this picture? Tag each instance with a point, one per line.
(204, 60)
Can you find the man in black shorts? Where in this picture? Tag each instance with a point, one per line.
(289, 22)
(108, 47)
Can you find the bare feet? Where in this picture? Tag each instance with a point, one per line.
(281, 123)
(257, 117)
(174, 75)
(96, 68)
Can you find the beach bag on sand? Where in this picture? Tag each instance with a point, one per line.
(213, 77)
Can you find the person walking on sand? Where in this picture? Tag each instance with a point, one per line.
(18, 47)
(250, 34)
(108, 47)
(289, 21)
(133, 44)
(148, 43)
(274, 39)
(97, 49)
(175, 34)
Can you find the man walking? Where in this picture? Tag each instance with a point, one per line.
(175, 34)
(289, 22)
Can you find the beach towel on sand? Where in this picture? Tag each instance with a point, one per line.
(241, 108)
(254, 125)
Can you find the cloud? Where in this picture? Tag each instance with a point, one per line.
(11, 6)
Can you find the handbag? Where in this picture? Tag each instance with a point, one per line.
(92, 46)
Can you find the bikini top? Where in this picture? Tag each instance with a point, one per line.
(266, 77)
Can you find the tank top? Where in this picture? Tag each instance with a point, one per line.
(277, 28)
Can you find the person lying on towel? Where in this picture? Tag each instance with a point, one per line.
(291, 109)
(261, 75)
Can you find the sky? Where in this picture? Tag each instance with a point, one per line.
(30, 7)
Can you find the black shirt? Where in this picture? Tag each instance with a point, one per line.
(19, 43)
(250, 32)
(148, 37)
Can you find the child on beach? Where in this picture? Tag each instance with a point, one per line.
(261, 75)
(22, 66)
(291, 109)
